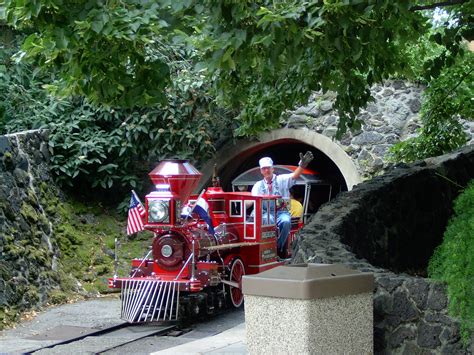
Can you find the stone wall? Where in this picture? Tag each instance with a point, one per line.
(393, 223)
(392, 116)
(28, 252)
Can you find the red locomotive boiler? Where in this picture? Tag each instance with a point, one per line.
(196, 264)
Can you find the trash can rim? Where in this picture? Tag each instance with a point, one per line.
(308, 281)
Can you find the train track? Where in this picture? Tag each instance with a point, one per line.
(99, 341)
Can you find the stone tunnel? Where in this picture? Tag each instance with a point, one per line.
(284, 146)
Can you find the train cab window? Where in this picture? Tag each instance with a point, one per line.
(268, 212)
(217, 206)
(250, 205)
(235, 208)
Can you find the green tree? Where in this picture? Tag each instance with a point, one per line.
(261, 57)
(139, 79)
(99, 49)
(449, 92)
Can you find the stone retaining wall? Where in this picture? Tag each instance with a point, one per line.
(28, 251)
(374, 226)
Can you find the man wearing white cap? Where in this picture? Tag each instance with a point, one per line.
(272, 184)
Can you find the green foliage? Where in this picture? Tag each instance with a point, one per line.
(447, 98)
(267, 56)
(99, 49)
(453, 261)
(179, 58)
(57, 297)
(260, 57)
(450, 33)
(104, 147)
(21, 94)
(447, 69)
(417, 54)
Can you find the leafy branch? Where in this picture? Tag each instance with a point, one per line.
(442, 131)
(438, 4)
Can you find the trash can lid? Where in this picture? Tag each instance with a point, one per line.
(308, 281)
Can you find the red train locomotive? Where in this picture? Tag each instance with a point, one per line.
(196, 264)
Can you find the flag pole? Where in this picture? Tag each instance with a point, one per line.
(194, 205)
(193, 262)
(199, 197)
(136, 196)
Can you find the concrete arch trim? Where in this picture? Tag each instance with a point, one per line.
(230, 151)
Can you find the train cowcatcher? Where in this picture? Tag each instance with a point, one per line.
(194, 267)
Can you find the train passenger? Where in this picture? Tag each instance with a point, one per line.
(296, 208)
(272, 184)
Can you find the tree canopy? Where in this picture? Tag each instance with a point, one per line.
(260, 57)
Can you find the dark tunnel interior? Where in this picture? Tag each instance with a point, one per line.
(286, 152)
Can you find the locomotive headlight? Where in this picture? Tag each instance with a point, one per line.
(166, 250)
(158, 211)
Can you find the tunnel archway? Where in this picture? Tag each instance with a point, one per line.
(284, 145)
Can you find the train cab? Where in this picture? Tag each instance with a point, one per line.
(250, 221)
(307, 182)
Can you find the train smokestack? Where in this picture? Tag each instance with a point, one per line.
(179, 174)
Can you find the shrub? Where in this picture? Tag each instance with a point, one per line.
(453, 261)
(106, 148)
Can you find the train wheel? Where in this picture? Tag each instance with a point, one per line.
(237, 271)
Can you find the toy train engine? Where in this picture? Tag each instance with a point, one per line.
(197, 258)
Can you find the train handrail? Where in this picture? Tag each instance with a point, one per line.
(233, 245)
(184, 266)
(139, 266)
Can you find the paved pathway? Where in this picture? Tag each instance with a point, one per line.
(223, 334)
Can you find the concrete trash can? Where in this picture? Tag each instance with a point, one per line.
(309, 309)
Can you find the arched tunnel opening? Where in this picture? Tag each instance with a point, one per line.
(286, 152)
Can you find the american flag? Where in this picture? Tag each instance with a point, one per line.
(135, 215)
